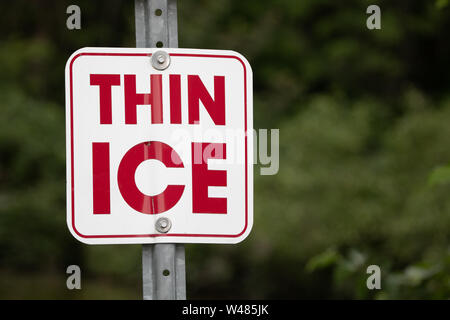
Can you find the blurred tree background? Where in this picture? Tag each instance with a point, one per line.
(364, 150)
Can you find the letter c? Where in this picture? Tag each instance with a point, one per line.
(127, 185)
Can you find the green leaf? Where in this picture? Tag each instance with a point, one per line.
(440, 175)
(322, 260)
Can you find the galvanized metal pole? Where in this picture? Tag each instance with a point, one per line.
(163, 265)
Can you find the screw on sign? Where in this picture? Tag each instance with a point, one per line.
(160, 60)
(159, 146)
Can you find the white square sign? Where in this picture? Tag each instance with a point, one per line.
(159, 146)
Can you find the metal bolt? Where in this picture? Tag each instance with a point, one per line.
(160, 60)
(163, 225)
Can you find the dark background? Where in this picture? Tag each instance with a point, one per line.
(364, 150)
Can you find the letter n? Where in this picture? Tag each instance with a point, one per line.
(215, 106)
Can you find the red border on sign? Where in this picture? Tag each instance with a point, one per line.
(167, 234)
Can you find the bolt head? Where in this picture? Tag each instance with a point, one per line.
(163, 225)
(160, 60)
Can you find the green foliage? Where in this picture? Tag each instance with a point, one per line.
(32, 181)
(439, 175)
(422, 280)
(363, 118)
